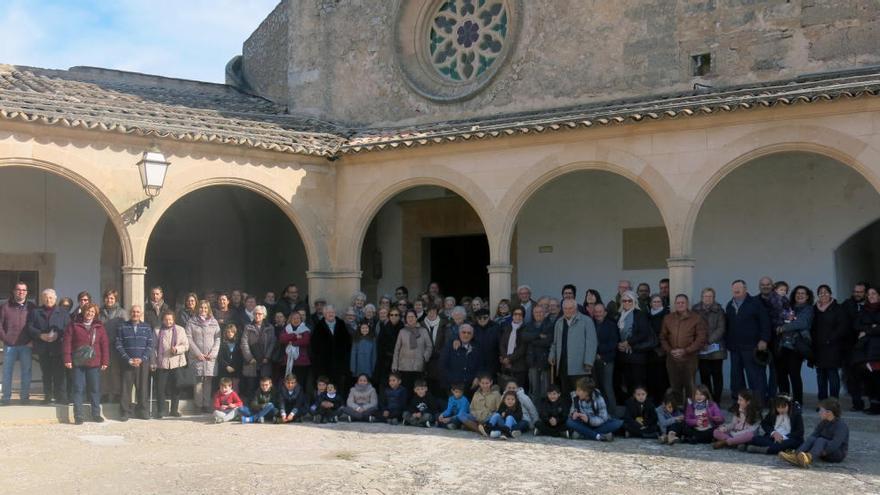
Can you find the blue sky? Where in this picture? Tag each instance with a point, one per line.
(191, 39)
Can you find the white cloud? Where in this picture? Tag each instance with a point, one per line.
(191, 39)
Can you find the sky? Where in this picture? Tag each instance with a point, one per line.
(190, 39)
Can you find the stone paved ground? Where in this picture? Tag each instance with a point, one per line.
(189, 456)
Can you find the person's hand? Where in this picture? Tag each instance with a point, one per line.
(621, 346)
(103, 367)
(202, 357)
(230, 369)
(173, 350)
(552, 361)
(153, 368)
(456, 344)
(677, 353)
(778, 330)
(253, 361)
(552, 421)
(776, 436)
(45, 337)
(359, 409)
(762, 346)
(679, 419)
(265, 361)
(68, 365)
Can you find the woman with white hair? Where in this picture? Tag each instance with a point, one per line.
(636, 340)
(358, 302)
(257, 345)
(46, 326)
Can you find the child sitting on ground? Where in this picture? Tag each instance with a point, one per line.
(320, 388)
(362, 403)
(701, 417)
(783, 428)
(530, 412)
(742, 427)
(588, 417)
(504, 423)
(828, 442)
(291, 400)
(226, 402)
(329, 405)
(670, 419)
(423, 408)
(483, 404)
(263, 403)
(640, 420)
(393, 400)
(457, 408)
(553, 411)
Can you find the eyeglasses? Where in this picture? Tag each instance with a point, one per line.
(395, 314)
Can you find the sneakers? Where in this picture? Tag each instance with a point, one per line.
(516, 433)
(261, 420)
(804, 459)
(451, 426)
(575, 435)
(78, 421)
(394, 422)
(347, 417)
(536, 433)
(663, 439)
(483, 431)
(428, 424)
(790, 457)
(493, 433)
(98, 419)
(672, 438)
(754, 449)
(371, 419)
(245, 420)
(218, 420)
(567, 434)
(607, 437)
(123, 418)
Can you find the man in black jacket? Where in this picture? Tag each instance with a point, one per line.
(853, 379)
(331, 349)
(748, 330)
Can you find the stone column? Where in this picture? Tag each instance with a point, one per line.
(133, 285)
(681, 276)
(336, 287)
(499, 284)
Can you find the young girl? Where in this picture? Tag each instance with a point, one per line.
(640, 419)
(363, 351)
(504, 421)
(230, 359)
(783, 428)
(742, 427)
(829, 441)
(701, 417)
(589, 416)
(362, 402)
(670, 419)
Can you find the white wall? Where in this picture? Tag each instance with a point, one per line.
(582, 215)
(45, 213)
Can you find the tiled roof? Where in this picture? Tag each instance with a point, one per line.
(128, 103)
(114, 101)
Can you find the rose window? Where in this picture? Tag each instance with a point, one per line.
(467, 37)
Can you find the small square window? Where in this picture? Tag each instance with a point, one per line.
(701, 64)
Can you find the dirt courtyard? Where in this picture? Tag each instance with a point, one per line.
(190, 456)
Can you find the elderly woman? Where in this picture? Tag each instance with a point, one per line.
(169, 354)
(386, 340)
(257, 345)
(112, 316)
(657, 374)
(358, 301)
(86, 351)
(203, 334)
(46, 325)
(636, 340)
(351, 320)
(713, 355)
(412, 351)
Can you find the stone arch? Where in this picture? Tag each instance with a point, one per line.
(369, 204)
(90, 188)
(843, 148)
(633, 169)
(163, 203)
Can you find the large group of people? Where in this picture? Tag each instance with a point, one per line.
(638, 364)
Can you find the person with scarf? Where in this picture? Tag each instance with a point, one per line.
(203, 334)
(257, 345)
(87, 331)
(866, 355)
(112, 316)
(46, 326)
(657, 374)
(154, 308)
(829, 335)
(636, 340)
(168, 354)
(295, 340)
(512, 348)
(788, 358)
(412, 351)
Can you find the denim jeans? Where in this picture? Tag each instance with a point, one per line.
(83, 377)
(21, 353)
(603, 372)
(590, 432)
(744, 366)
(268, 411)
(818, 447)
(829, 382)
(539, 380)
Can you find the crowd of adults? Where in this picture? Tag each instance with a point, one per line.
(634, 338)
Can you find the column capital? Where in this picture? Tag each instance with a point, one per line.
(681, 262)
(134, 270)
(334, 274)
(500, 268)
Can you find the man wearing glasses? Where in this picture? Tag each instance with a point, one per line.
(13, 319)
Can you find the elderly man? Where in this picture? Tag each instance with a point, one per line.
(683, 334)
(331, 349)
(46, 325)
(613, 306)
(462, 363)
(16, 339)
(573, 350)
(748, 330)
(525, 301)
(134, 343)
(538, 335)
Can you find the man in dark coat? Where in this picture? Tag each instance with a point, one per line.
(748, 330)
(852, 307)
(331, 349)
(155, 307)
(16, 339)
(462, 362)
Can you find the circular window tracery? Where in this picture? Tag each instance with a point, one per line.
(466, 37)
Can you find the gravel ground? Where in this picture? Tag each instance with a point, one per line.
(190, 456)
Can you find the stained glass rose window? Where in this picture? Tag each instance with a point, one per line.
(466, 37)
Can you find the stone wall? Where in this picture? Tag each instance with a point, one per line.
(342, 62)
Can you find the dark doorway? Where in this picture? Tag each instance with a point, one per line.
(459, 264)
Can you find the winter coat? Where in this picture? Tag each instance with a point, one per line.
(425, 405)
(331, 351)
(518, 358)
(558, 410)
(829, 333)
(642, 335)
(684, 331)
(644, 410)
(461, 365)
(580, 348)
(487, 338)
(438, 345)
(716, 325)
(261, 399)
(716, 418)
(867, 348)
(665, 419)
(530, 412)
(77, 335)
(292, 401)
(386, 340)
(13, 323)
(204, 338)
(363, 357)
(483, 405)
(516, 412)
(113, 317)
(303, 341)
(768, 424)
(134, 340)
(747, 326)
(837, 434)
(538, 337)
(183, 316)
(163, 340)
(367, 399)
(608, 336)
(152, 317)
(230, 357)
(407, 358)
(224, 402)
(656, 322)
(44, 320)
(594, 407)
(257, 344)
(801, 325)
(394, 400)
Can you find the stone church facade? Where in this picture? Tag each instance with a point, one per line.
(580, 141)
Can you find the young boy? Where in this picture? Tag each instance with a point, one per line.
(484, 403)
(226, 402)
(393, 401)
(320, 388)
(553, 411)
(457, 407)
(589, 416)
(422, 407)
(291, 400)
(670, 418)
(329, 404)
(640, 420)
(263, 403)
(829, 441)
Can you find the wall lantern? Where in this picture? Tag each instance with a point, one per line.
(152, 167)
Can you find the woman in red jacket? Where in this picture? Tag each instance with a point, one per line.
(87, 331)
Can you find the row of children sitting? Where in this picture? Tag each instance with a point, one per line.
(492, 414)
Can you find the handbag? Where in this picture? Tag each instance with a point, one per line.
(84, 353)
(185, 376)
(803, 346)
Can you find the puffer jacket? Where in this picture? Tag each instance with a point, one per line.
(204, 338)
(164, 339)
(412, 359)
(483, 405)
(257, 344)
(716, 325)
(367, 399)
